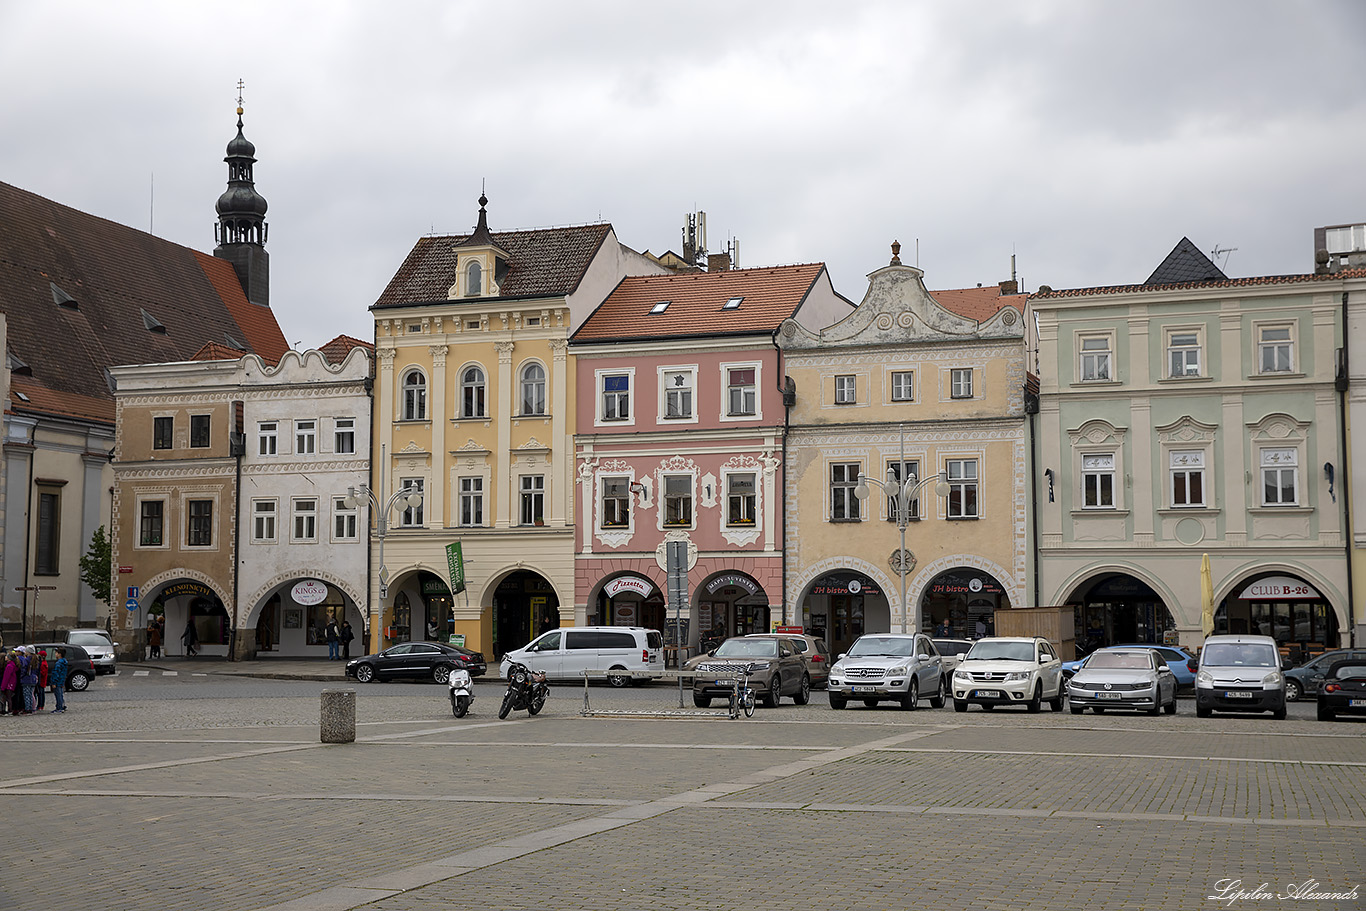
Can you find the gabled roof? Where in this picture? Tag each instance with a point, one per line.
(215, 352)
(541, 263)
(336, 350)
(979, 304)
(696, 303)
(109, 275)
(1185, 264)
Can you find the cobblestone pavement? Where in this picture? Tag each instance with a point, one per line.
(155, 801)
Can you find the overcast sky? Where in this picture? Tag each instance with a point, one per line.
(1085, 137)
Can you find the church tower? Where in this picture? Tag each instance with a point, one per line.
(241, 229)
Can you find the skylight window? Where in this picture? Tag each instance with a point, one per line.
(62, 299)
(234, 343)
(732, 304)
(660, 307)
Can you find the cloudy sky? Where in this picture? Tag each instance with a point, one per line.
(1086, 138)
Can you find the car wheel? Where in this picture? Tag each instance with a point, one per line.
(911, 696)
(702, 702)
(365, 673)
(1201, 711)
(1171, 706)
(1056, 702)
(1327, 714)
(838, 702)
(774, 692)
(1293, 690)
(78, 681)
(803, 695)
(1077, 709)
(938, 699)
(1037, 702)
(619, 680)
(959, 705)
(1279, 714)
(441, 673)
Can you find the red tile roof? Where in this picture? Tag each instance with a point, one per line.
(1186, 286)
(979, 304)
(769, 296)
(541, 262)
(111, 275)
(216, 352)
(336, 350)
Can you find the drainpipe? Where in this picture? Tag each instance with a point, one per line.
(1341, 383)
(782, 496)
(1034, 505)
(28, 538)
(366, 631)
(238, 445)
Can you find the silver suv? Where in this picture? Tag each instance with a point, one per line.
(893, 667)
(98, 644)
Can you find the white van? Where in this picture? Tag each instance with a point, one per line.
(567, 652)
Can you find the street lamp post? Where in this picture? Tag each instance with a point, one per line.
(408, 498)
(904, 493)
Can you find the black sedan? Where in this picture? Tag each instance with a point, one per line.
(80, 667)
(418, 660)
(1344, 691)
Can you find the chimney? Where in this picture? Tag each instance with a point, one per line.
(1010, 286)
(718, 262)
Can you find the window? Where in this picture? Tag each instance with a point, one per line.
(414, 397)
(162, 430)
(960, 383)
(1275, 349)
(898, 472)
(844, 506)
(533, 499)
(262, 521)
(1098, 481)
(1280, 477)
(412, 515)
(732, 304)
(1188, 478)
(740, 381)
(740, 499)
(151, 523)
(48, 545)
(533, 389)
(305, 437)
(1183, 353)
(471, 502)
(660, 307)
(1347, 239)
(474, 279)
(267, 443)
(846, 389)
(616, 397)
(678, 395)
(1095, 358)
(678, 500)
(903, 385)
(344, 436)
(199, 530)
(305, 520)
(344, 524)
(962, 474)
(472, 391)
(199, 431)
(616, 502)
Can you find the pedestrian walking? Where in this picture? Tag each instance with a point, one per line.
(40, 693)
(333, 639)
(9, 683)
(28, 677)
(154, 639)
(190, 638)
(58, 680)
(346, 636)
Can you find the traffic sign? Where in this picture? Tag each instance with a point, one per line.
(133, 593)
(131, 604)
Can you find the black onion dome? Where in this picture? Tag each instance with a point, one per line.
(241, 146)
(241, 200)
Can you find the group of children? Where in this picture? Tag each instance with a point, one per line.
(25, 677)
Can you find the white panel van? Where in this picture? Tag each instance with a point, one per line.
(565, 653)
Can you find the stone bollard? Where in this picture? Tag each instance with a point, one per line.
(338, 719)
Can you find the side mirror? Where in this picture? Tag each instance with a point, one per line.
(840, 656)
(784, 653)
(1164, 670)
(922, 657)
(1043, 659)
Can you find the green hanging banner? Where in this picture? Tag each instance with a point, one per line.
(455, 560)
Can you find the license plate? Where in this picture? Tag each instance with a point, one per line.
(1237, 694)
(988, 694)
(865, 689)
(725, 682)
(1107, 695)
(1357, 703)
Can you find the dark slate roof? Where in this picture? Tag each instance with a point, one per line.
(541, 263)
(1186, 264)
(113, 274)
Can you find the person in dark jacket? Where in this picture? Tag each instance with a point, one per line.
(40, 692)
(58, 680)
(346, 636)
(333, 639)
(190, 638)
(28, 677)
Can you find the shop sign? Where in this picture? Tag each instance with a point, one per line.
(125, 569)
(789, 630)
(309, 592)
(434, 587)
(965, 585)
(633, 584)
(737, 579)
(624, 615)
(1282, 587)
(198, 589)
(831, 585)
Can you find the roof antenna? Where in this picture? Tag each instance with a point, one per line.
(1225, 251)
(917, 253)
(152, 205)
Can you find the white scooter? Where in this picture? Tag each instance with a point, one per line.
(462, 692)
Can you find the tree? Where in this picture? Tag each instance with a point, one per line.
(97, 564)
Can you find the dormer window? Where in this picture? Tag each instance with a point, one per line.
(152, 323)
(660, 307)
(474, 279)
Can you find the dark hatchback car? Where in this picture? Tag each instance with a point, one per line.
(1344, 690)
(416, 660)
(80, 667)
(1308, 678)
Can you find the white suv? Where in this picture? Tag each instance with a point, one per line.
(1009, 671)
(98, 644)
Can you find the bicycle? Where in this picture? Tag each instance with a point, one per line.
(742, 698)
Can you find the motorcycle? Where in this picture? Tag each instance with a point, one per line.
(527, 689)
(462, 691)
